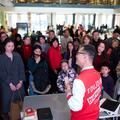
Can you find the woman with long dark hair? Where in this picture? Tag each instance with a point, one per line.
(38, 68)
(70, 55)
(11, 76)
(101, 56)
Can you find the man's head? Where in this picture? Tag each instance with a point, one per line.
(96, 35)
(66, 33)
(116, 33)
(51, 34)
(42, 39)
(3, 36)
(85, 55)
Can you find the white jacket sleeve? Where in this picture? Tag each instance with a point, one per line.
(76, 100)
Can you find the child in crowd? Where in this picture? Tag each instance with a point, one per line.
(107, 80)
(67, 74)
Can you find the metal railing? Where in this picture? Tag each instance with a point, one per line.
(96, 2)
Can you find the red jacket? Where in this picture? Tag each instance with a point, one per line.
(55, 57)
(93, 84)
(27, 52)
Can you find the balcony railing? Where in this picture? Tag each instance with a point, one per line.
(94, 2)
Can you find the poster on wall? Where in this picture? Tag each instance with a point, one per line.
(22, 28)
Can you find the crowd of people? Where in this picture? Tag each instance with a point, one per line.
(41, 65)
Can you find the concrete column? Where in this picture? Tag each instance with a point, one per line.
(113, 20)
(29, 22)
(94, 19)
(73, 19)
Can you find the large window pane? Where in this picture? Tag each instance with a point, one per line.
(39, 22)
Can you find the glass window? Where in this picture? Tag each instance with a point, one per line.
(11, 20)
(60, 19)
(64, 19)
(104, 19)
(91, 20)
(117, 20)
(43, 22)
(69, 19)
(39, 22)
(23, 18)
(35, 22)
(14, 20)
(96, 21)
(78, 19)
(86, 21)
(109, 21)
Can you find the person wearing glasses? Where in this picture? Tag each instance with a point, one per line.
(83, 98)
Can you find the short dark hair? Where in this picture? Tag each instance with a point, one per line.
(41, 36)
(95, 31)
(3, 33)
(105, 65)
(7, 40)
(37, 47)
(52, 31)
(64, 61)
(66, 30)
(26, 36)
(117, 30)
(90, 50)
(55, 39)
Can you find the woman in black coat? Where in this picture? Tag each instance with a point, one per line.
(39, 74)
(11, 75)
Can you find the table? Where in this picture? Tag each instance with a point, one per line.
(58, 105)
(104, 115)
(56, 102)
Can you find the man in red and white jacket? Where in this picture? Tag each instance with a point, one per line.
(84, 98)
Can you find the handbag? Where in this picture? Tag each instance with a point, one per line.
(15, 107)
